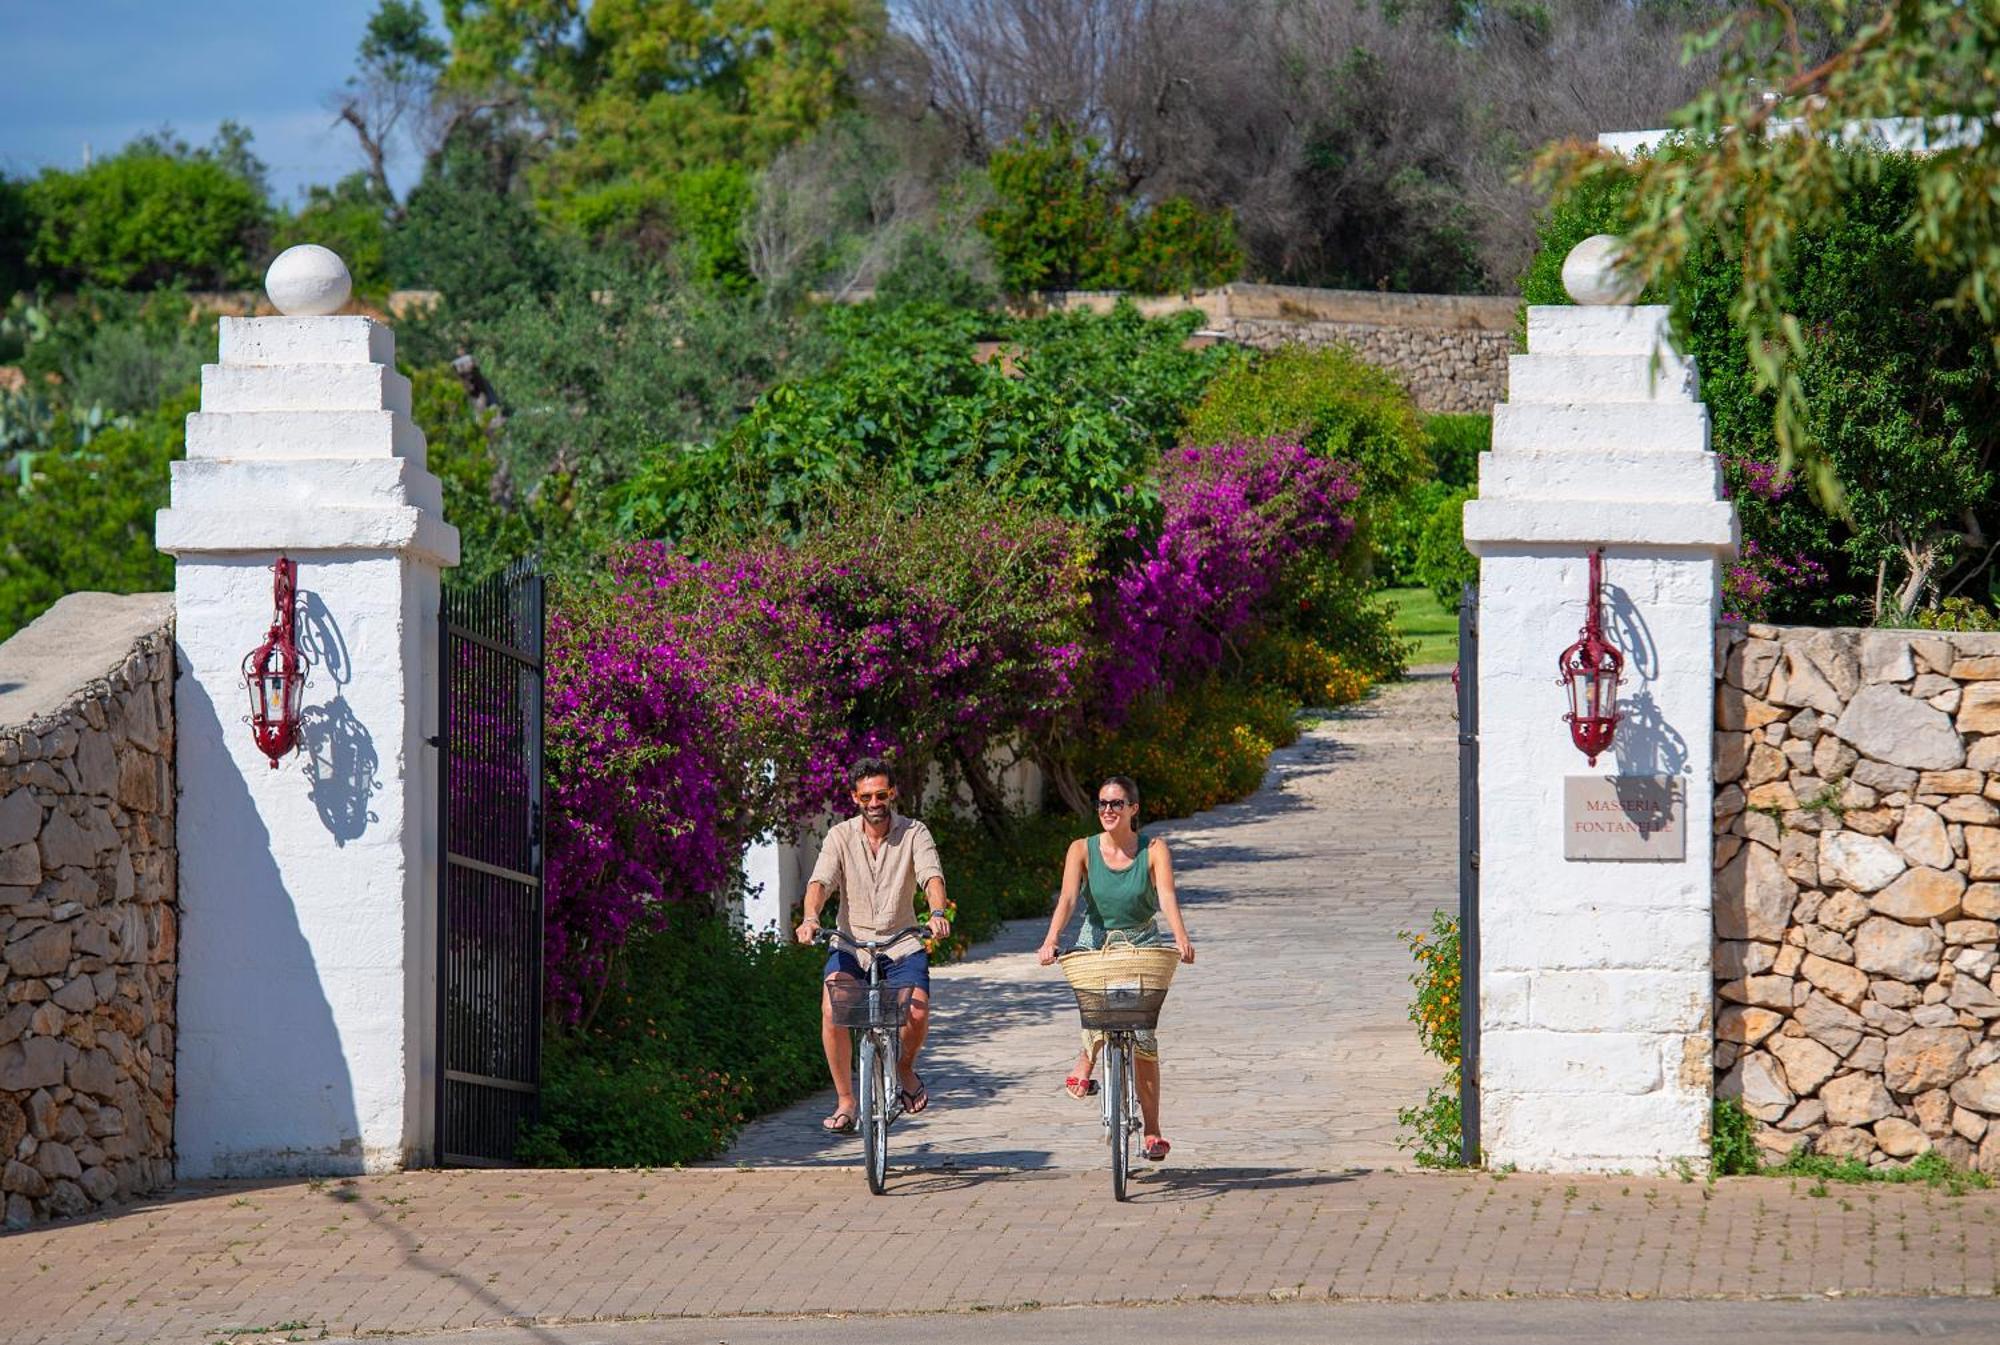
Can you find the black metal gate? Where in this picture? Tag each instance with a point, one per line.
(490, 903)
(1467, 679)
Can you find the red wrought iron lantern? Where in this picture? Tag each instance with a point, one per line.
(1590, 669)
(275, 671)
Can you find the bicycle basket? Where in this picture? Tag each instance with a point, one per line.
(1120, 988)
(861, 1006)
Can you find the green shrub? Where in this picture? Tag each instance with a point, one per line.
(1732, 1140)
(1399, 530)
(1339, 611)
(1454, 443)
(705, 1031)
(1198, 747)
(16, 229)
(1059, 222)
(710, 203)
(1339, 406)
(145, 217)
(1178, 246)
(1434, 1127)
(1013, 876)
(1071, 421)
(1443, 565)
(1054, 223)
(85, 518)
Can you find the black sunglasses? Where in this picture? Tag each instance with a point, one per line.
(1113, 805)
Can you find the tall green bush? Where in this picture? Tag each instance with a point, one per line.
(84, 520)
(1337, 405)
(1061, 222)
(1066, 413)
(146, 217)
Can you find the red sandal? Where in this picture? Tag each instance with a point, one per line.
(1080, 1088)
(1156, 1149)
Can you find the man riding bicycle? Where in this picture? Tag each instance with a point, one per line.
(876, 862)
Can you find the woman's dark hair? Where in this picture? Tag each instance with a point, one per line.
(867, 768)
(1126, 783)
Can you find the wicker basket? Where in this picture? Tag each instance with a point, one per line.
(1120, 988)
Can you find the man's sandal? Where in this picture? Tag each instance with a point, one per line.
(840, 1123)
(1080, 1088)
(914, 1100)
(1156, 1149)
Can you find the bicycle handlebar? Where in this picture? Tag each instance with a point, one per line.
(828, 935)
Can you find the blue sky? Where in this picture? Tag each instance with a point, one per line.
(101, 71)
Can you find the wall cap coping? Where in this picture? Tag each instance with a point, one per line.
(84, 638)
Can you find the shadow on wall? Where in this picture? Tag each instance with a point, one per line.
(1646, 743)
(342, 768)
(263, 1083)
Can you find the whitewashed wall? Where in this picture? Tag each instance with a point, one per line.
(1595, 988)
(307, 991)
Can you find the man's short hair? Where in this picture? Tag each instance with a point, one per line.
(867, 769)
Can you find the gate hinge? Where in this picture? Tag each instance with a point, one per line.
(435, 740)
(1473, 859)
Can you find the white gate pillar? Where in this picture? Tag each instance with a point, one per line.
(306, 1006)
(1595, 992)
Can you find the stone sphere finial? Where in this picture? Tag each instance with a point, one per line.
(1592, 276)
(308, 281)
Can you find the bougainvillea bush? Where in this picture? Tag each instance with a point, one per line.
(695, 703)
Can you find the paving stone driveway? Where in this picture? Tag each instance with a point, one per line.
(1286, 1044)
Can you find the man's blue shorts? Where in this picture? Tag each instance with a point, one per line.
(912, 970)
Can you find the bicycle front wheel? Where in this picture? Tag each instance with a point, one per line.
(874, 1114)
(1120, 1111)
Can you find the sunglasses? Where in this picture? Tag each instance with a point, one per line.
(878, 796)
(1113, 805)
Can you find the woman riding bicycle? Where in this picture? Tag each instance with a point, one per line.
(1127, 884)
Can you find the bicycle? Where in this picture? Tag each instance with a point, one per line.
(877, 1012)
(1129, 991)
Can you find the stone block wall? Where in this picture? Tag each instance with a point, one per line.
(1450, 350)
(1857, 919)
(1446, 369)
(88, 913)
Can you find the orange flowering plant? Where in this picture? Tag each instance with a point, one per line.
(1433, 1127)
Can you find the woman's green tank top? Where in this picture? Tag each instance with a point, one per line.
(1119, 899)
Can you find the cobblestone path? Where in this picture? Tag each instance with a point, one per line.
(1286, 1044)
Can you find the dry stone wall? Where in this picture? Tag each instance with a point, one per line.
(1857, 918)
(88, 927)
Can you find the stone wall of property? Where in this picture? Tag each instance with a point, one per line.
(1857, 919)
(88, 913)
(1450, 350)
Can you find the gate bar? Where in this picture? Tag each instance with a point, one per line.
(1468, 875)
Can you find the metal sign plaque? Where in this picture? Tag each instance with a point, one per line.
(1624, 817)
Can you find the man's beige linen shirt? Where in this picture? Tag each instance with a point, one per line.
(877, 888)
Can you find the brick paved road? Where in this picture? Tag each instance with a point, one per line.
(1286, 1043)
(435, 1251)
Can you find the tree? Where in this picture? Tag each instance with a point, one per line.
(638, 93)
(85, 519)
(400, 61)
(157, 212)
(1763, 166)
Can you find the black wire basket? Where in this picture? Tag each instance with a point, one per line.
(861, 1006)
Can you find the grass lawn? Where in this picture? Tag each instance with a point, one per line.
(1420, 617)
